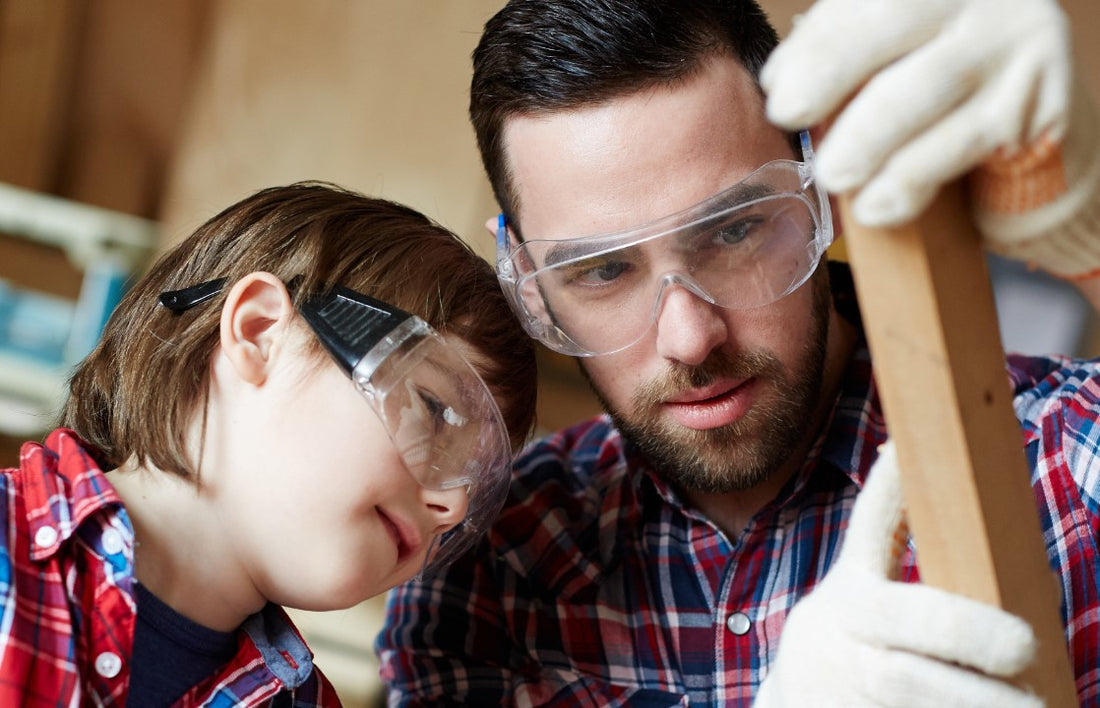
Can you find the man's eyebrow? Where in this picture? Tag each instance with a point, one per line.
(570, 250)
(740, 193)
(734, 196)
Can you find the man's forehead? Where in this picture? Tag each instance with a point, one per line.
(638, 156)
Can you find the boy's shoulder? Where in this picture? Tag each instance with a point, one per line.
(55, 593)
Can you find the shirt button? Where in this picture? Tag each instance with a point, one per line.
(108, 664)
(112, 542)
(738, 623)
(45, 536)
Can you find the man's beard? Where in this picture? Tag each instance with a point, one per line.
(743, 453)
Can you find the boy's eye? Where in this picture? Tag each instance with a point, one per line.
(434, 406)
(439, 411)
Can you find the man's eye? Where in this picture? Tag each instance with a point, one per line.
(597, 272)
(734, 232)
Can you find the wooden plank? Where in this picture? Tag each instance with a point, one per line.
(36, 49)
(930, 318)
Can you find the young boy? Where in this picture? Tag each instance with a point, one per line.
(263, 423)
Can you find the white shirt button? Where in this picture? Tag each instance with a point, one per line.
(738, 623)
(108, 664)
(112, 542)
(45, 536)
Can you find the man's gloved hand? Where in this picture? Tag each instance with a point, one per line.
(862, 639)
(938, 88)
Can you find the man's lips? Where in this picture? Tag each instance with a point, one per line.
(713, 406)
(404, 535)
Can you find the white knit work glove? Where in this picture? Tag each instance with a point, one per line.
(939, 88)
(862, 639)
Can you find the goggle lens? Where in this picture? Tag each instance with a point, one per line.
(744, 248)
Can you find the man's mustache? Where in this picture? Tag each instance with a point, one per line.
(719, 365)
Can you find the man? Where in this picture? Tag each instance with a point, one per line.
(658, 226)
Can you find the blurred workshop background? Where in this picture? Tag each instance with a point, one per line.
(126, 123)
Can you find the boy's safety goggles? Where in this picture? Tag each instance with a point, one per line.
(437, 411)
(742, 248)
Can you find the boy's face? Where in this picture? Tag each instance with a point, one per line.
(326, 513)
(717, 397)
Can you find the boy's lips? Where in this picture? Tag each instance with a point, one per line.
(404, 535)
(713, 406)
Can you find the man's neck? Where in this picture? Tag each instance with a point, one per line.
(732, 511)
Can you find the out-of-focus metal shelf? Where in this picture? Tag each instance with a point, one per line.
(42, 336)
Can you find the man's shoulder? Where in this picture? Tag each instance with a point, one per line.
(574, 458)
(572, 471)
(571, 492)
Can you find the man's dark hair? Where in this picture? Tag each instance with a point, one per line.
(548, 55)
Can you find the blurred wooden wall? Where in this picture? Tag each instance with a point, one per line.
(369, 94)
(92, 95)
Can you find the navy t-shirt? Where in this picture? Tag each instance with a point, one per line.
(172, 653)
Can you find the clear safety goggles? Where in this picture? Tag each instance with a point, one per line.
(745, 247)
(438, 412)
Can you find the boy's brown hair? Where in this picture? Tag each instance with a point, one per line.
(134, 395)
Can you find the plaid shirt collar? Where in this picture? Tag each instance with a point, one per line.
(66, 488)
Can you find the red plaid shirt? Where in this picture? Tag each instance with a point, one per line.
(68, 607)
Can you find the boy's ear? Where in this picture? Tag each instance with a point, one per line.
(256, 313)
(491, 226)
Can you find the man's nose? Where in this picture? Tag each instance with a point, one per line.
(688, 327)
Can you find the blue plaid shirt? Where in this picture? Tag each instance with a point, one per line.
(599, 586)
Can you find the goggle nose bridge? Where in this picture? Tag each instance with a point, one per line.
(674, 278)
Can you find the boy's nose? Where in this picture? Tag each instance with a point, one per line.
(446, 508)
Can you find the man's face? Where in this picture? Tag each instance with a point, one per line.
(717, 398)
